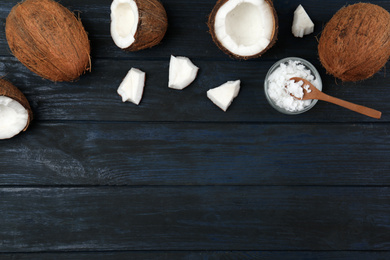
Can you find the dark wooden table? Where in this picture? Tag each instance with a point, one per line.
(176, 177)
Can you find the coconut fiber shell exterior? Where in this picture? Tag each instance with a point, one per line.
(9, 90)
(48, 39)
(211, 23)
(152, 25)
(355, 43)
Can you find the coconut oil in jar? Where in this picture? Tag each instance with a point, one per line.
(278, 77)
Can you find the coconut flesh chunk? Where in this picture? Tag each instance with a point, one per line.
(124, 22)
(302, 24)
(245, 27)
(182, 72)
(223, 95)
(13, 117)
(132, 86)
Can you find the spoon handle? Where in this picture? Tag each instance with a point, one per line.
(354, 107)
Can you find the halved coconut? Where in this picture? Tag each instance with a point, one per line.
(244, 29)
(137, 24)
(15, 111)
(223, 95)
(132, 86)
(182, 72)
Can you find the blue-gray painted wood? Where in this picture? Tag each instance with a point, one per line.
(83, 153)
(195, 218)
(203, 255)
(94, 96)
(178, 178)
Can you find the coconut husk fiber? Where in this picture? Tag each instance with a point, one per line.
(355, 43)
(48, 39)
(152, 25)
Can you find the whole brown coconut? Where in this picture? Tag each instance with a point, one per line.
(48, 39)
(355, 43)
(243, 29)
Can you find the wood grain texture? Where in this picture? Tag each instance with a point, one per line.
(187, 28)
(196, 154)
(176, 177)
(188, 32)
(194, 218)
(94, 97)
(204, 255)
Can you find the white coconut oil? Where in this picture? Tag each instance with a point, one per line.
(280, 86)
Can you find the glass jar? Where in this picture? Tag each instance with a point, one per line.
(310, 67)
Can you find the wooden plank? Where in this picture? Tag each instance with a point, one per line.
(82, 153)
(194, 218)
(94, 96)
(188, 33)
(195, 255)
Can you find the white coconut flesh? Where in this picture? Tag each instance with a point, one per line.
(124, 22)
(302, 24)
(223, 95)
(182, 72)
(132, 87)
(244, 27)
(13, 117)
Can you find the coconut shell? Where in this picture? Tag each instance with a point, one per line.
(355, 43)
(152, 25)
(211, 22)
(9, 90)
(48, 39)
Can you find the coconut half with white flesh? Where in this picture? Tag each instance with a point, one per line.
(15, 111)
(138, 24)
(223, 95)
(244, 29)
(182, 72)
(132, 87)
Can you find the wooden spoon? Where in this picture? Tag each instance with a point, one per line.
(316, 94)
